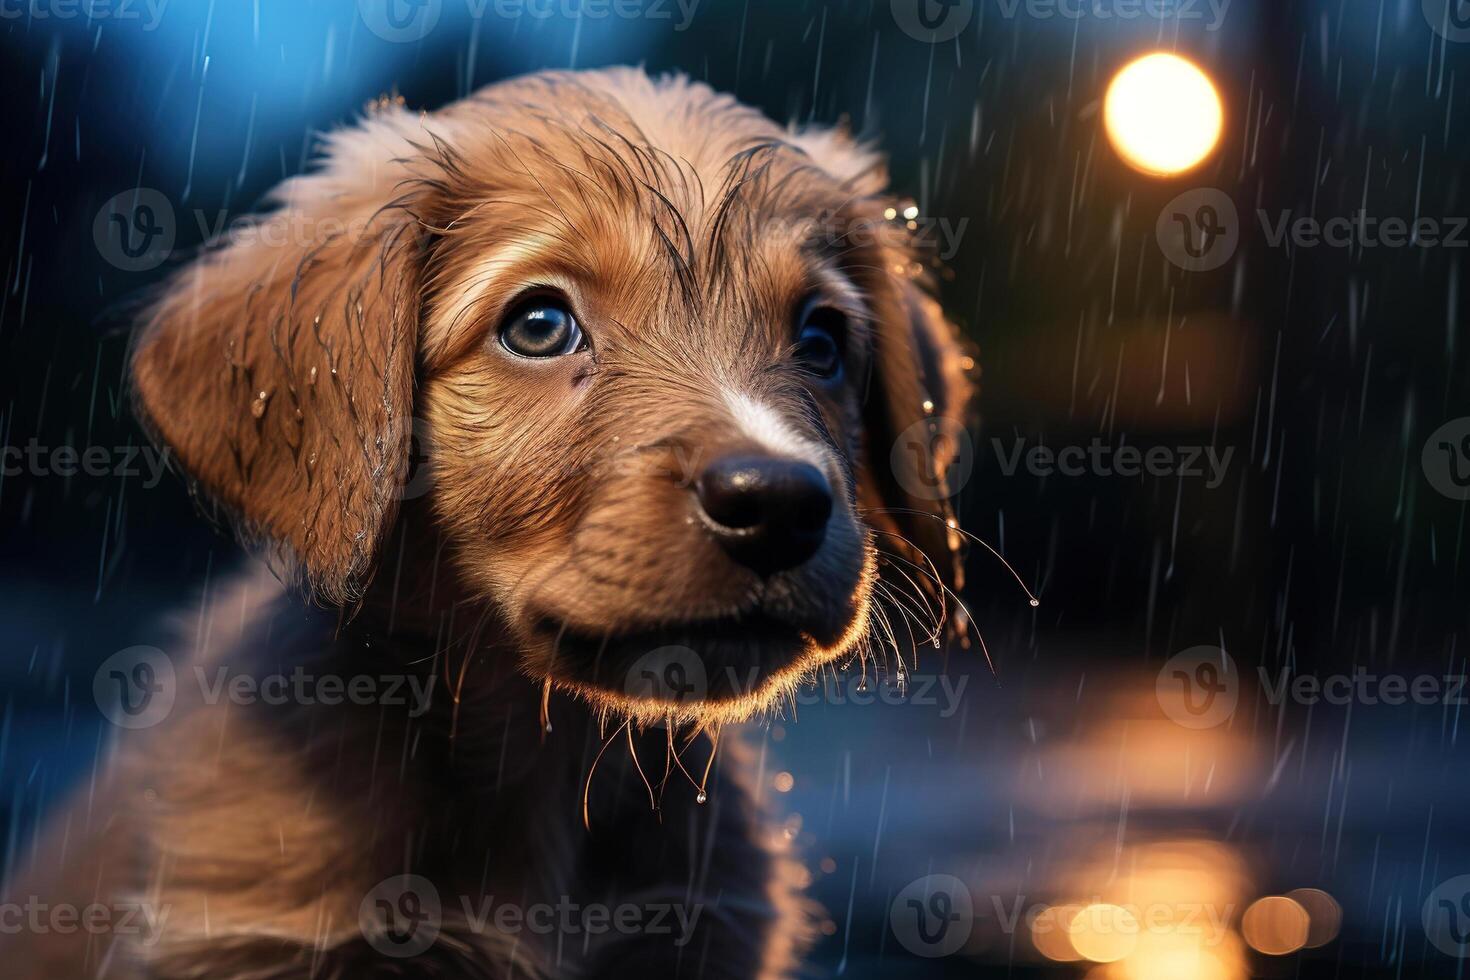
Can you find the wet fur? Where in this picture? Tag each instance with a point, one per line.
(293, 382)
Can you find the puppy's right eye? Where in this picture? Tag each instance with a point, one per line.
(542, 327)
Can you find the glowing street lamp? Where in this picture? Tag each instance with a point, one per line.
(1162, 114)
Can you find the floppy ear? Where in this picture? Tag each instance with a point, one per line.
(279, 367)
(915, 413)
(916, 404)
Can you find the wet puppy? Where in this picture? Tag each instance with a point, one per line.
(603, 410)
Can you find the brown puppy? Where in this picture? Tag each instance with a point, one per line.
(654, 352)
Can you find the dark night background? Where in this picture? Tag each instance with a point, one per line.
(1058, 779)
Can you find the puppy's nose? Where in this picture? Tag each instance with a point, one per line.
(768, 513)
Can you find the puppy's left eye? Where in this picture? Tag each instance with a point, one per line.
(819, 341)
(541, 327)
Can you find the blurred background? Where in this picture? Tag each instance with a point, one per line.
(1072, 807)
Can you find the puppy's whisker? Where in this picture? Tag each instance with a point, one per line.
(587, 787)
(546, 708)
(881, 618)
(930, 574)
(915, 605)
(907, 618)
(633, 751)
(714, 750)
(954, 526)
(678, 761)
(967, 620)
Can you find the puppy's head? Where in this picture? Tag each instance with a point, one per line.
(659, 350)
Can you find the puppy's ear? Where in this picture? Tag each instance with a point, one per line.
(858, 167)
(279, 367)
(915, 414)
(918, 394)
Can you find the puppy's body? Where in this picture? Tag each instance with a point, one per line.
(250, 834)
(756, 340)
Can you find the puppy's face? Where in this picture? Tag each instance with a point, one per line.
(659, 350)
(628, 456)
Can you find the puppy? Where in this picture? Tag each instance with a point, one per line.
(599, 408)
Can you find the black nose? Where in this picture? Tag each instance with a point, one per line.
(768, 513)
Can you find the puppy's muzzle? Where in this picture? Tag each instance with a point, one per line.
(768, 513)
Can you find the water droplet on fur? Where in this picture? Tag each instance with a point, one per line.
(311, 378)
(257, 407)
(702, 797)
